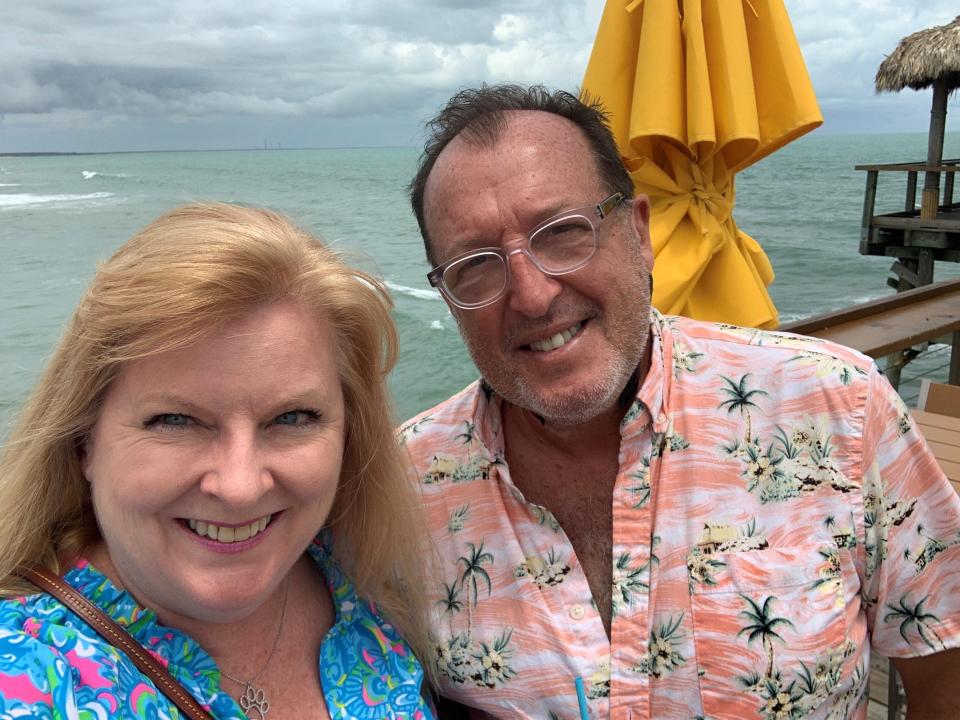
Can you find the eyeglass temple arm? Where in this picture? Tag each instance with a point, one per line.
(607, 206)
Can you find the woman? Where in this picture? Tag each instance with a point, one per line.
(218, 397)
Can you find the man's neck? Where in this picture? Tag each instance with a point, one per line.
(526, 429)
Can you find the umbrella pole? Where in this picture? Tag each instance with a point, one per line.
(938, 124)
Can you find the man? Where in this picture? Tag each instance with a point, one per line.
(639, 516)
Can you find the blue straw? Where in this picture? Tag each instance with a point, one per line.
(582, 699)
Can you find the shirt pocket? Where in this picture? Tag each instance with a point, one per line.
(769, 629)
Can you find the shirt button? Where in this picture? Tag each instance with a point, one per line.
(662, 419)
(576, 612)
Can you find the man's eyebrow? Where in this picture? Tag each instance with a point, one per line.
(536, 217)
(468, 243)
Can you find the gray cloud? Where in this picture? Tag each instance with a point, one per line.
(119, 65)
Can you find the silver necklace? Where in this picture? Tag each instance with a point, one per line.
(254, 698)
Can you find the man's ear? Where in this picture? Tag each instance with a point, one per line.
(640, 217)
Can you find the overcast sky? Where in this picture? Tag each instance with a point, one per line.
(93, 75)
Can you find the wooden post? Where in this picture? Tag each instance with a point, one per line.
(925, 267)
(954, 376)
(893, 692)
(911, 202)
(869, 201)
(938, 122)
(948, 189)
(893, 367)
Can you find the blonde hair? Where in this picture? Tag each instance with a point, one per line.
(174, 282)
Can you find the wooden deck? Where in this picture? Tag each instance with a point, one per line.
(916, 236)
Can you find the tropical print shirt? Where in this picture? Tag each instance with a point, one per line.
(775, 513)
(52, 665)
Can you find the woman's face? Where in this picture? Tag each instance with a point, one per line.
(212, 467)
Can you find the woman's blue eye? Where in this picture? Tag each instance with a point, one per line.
(170, 420)
(296, 417)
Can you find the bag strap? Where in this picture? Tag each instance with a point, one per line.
(113, 633)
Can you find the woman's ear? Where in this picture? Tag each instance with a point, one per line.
(83, 447)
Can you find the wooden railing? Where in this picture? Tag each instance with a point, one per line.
(917, 236)
(893, 324)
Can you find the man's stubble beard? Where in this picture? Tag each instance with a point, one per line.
(630, 337)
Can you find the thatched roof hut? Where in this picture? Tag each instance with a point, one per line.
(925, 58)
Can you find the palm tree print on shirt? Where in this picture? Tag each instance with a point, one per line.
(473, 572)
(762, 625)
(740, 397)
(684, 359)
(462, 657)
(458, 517)
(450, 602)
(914, 619)
(413, 428)
(467, 436)
(641, 488)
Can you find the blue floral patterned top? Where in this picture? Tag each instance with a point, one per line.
(52, 665)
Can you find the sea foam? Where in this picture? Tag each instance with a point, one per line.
(418, 293)
(15, 200)
(90, 174)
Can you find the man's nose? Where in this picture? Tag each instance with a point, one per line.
(532, 291)
(237, 471)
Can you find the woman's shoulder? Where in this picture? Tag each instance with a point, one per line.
(364, 661)
(53, 664)
(42, 658)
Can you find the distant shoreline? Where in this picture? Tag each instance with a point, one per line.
(202, 150)
(39, 154)
(820, 133)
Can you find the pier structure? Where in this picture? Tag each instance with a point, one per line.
(927, 231)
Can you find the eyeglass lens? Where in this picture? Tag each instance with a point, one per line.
(558, 247)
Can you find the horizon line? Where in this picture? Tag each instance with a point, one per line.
(51, 153)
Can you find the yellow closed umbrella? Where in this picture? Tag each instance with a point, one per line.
(697, 90)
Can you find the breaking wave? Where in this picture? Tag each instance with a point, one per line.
(418, 293)
(90, 174)
(15, 200)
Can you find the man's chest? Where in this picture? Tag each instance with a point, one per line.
(700, 573)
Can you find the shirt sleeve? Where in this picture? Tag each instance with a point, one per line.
(912, 533)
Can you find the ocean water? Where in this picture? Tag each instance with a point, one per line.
(60, 215)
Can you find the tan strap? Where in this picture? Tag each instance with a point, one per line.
(113, 633)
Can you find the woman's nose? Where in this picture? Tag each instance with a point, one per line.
(237, 473)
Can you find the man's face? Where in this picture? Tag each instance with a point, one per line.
(597, 317)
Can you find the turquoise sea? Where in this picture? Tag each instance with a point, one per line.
(60, 215)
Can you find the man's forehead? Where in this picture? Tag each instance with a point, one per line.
(523, 132)
(525, 126)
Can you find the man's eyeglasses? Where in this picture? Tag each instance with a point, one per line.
(558, 245)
